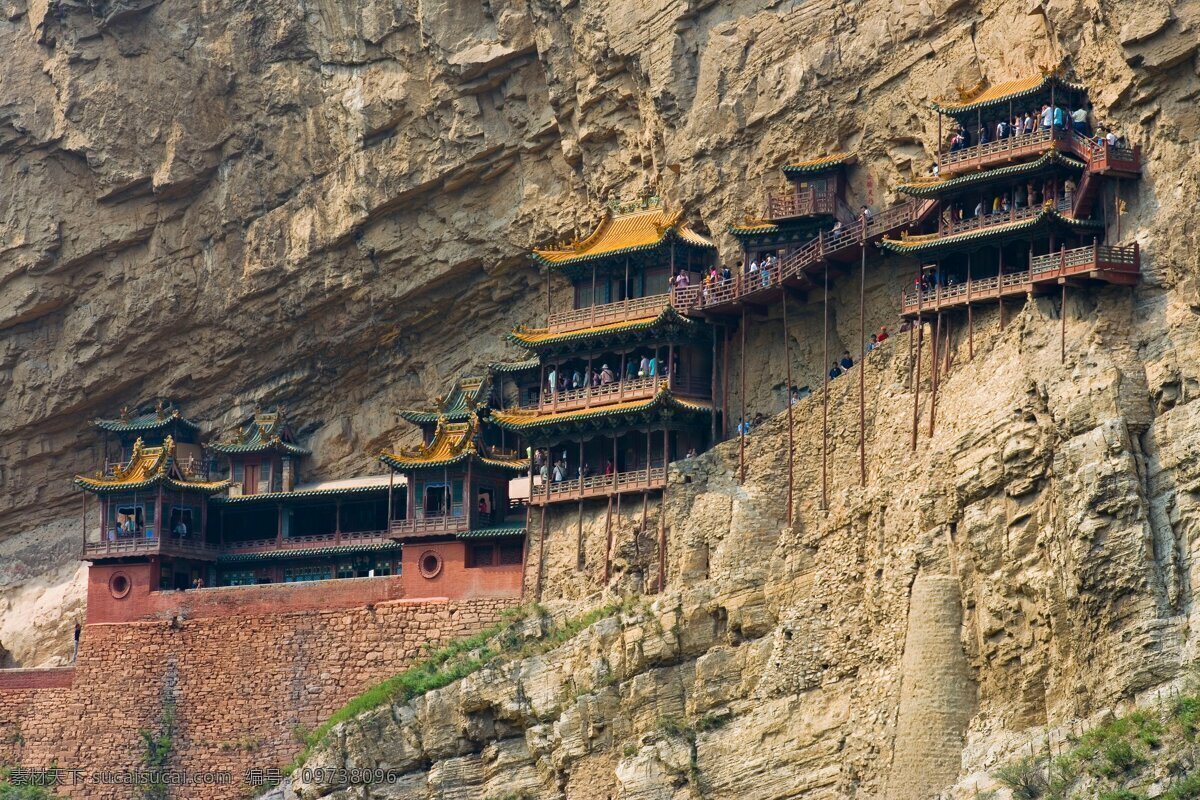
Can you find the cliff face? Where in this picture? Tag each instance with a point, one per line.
(327, 206)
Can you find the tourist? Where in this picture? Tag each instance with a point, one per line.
(606, 375)
(1069, 190)
(1005, 207)
(1110, 138)
(766, 271)
(983, 135)
(834, 371)
(652, 369)
(1027, 124)
(198, 583)
(726, 274)
(596, 380)
(1079, 120)
(871, 345)
(837, 226)
(743, 427)
(576, 380)
(864, 214)
(559, 473)
(758, 419)
(544, 473)
(1046, 118)
(552, 380)
(609, 467)
(180, 529)
(753, 268)
(691, 453)
(979, 208)
(1019, 197)
(78, 633)
(1059, 117)
(847, 362)
(883, 334)
(644, 367)
(793, 396)
(1002, 130)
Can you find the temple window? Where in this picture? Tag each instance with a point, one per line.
(311, 573)
(182, 520)
(492, 554)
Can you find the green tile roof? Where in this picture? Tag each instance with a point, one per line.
(156, 418)
(494, 532)
(274, 497)
(933, 189)
(665, 399)
(922, 244)
(534, 339)
(304, 552)
(515, 366)
(456, 406)
(264, 432)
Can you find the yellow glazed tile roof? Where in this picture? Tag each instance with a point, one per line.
(148, 466)
(452, 443)
(826, 161)
(664, 398)
(619, 233)
(532, 337)
(1002, 91)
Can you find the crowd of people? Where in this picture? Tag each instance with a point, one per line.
(647, 365)
(1057, 117)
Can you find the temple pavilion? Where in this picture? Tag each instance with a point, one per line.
(813, 201)
(169, 521)
(622, 383)
(1019, 211)
(464, 528)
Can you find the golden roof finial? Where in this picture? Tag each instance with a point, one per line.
(124, 413)
(159, 410)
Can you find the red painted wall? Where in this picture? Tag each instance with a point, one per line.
(453, 579)
(52, 678)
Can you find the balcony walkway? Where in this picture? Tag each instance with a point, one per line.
(640, 480)
(1110, 264)
(1103, 159)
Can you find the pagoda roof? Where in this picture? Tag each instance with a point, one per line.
(161, 416)
(515, 366)
(149, 466)
(534, 338)
(935, 187)
(815, 166)
(453, 443)
(622, 231)
(265, 432)
(933, 242)
(468, 393)
(980, 97)
(665, 399)
(493, 532)
(753, 227)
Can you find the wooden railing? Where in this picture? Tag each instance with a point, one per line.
(826, 245)
(989, 220)
(429, 526)
(1048, 267)
(600, 485)
(142, 545)
(800, 203)
(1100, 156)
(1011, 147)
(619, 391)
(607, 313)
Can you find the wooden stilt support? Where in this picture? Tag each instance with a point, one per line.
(541, 554)
(970, 315)
(910, 354)
(579, 560)
(933, 371)
(917, 382)
(787, 357)
(1063, 321)
(862, 364)
(1000, 284)
(712, 393)
(742, 393)
(608, 540)
(725, 384)
(825, 404)
(637, 547)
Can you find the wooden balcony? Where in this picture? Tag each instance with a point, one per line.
(140, 545)
(640, 480)
(620, 392)
(1120, 264)
(800, 203)
(429, 526)
(988, 220)
(1102, 158)
(608, 313)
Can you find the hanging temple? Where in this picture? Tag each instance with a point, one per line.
(618, 386)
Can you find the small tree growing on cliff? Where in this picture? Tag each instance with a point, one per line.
(157, 752)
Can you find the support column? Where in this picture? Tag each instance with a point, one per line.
(862, 364)
(712, 392)
(933, 371)
(541, 551)
(337, 522)
(279, 524)
(825, 401)
(725, 383)
(917, 382)
(742, 421)
(970, 316)
(787, 357)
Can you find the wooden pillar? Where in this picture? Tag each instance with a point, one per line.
(608, 541)
(862, 365)
(742, 422)
(1000, 281)
(933, 371)
(593, 299)
(725, 383)
(221, 528)
(712, 391)
(337, 521)
(825, 401)
(84, 522)
(411, 511)
(579, 559)
(158, 519)
(787, 357)
(541, 550)
(662, 517)
(1063, 320)
(391, 488)
(970, 316)
(279, 524)
(917, 382)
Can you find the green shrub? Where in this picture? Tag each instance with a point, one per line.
(1120, 757)
(1186, 789)
(1187, 714)
(1026, 778)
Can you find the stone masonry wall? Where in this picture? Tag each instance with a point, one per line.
(291, 670)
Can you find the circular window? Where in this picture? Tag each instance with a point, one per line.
(118, 584)
(431, 564)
